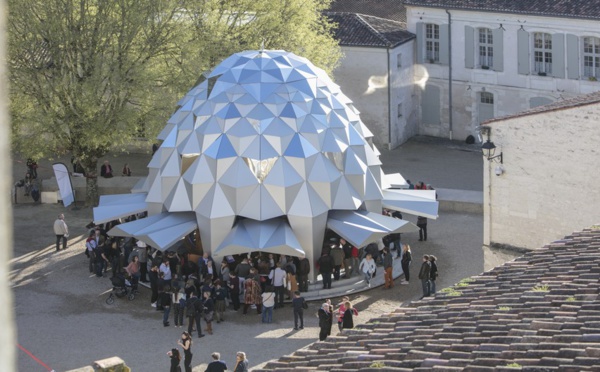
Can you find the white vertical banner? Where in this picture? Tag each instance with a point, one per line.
(64, 183)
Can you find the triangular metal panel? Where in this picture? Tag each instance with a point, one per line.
(238, 175)
(331, 143)
(172, 167)
(353, 165)
(299, 147)
(179, 199)
(167, 184)
(372, 188)
(345, 197)
(221, 149)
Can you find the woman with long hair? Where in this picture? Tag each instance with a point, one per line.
(186, 345)
(175, 359)
(405, 262)
(241, 363)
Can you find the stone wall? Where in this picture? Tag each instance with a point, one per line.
(550, 182)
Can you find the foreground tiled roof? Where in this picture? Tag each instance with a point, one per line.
(540, 312)
(583, 100)
(365, 30)
(547, 8)
(388, 9)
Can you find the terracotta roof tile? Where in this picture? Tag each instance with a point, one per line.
(368, 31)
(521, 312)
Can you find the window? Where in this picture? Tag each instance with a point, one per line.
(486, 97)
(542, 53)
(591, 57)
(486, 48)
(432, 43)
(399, 60)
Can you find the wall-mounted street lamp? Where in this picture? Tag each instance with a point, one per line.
(489, 149)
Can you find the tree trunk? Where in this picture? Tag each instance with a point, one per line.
(91, 182)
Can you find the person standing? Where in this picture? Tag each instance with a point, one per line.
(241, 363)
(433, 274)
(299, 304)
(302, 274)
(326, 267)
(424, 275)
(422, 225)
(217, 365)
(277, 277)
(153, 285)
(405, 262)
(61, 230)
(220, 305)
(324, 321)
(175, 360)
(234, 290)
(194, 309)
(178, 307)
(209, 311)
(355, 261)
(268, 300)
(106, 170)
(90, 249)
(165, 299)
(142, 253)
(165, 268)
(347, 249)
(340, 312)
(388, 267)
(367, 265)
(186, 345)
(348, 317)
(338, 258)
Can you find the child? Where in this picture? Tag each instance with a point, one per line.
(349, 313)
(299, 305)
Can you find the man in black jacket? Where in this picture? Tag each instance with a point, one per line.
(326, 268)
(302, 274)
(424, 275)
(194, 309)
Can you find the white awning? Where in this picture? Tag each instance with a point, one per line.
(112, 207)
(160, 230)
(271, 236)
(360, 228)
(415, 202)
(393, 181)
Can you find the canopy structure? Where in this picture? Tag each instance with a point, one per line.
(112, 207)
(271, 236)
(417, 202)
(159, 231)
(393, 181)
(360, 228)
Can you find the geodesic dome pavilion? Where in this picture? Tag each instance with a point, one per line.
(264, 155)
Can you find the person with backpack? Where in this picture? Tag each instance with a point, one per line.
(194, 309)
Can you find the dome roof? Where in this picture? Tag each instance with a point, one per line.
(266, 134)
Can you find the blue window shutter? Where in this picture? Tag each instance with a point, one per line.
(420, 42)
(573, 52)
(469, 47)
(444, 50)
(558, 55)
(498, 35)
(523, 52)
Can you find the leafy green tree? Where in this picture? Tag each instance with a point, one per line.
(89, 75)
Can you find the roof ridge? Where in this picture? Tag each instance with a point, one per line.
(376, 33)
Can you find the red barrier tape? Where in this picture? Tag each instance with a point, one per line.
(35, 358)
